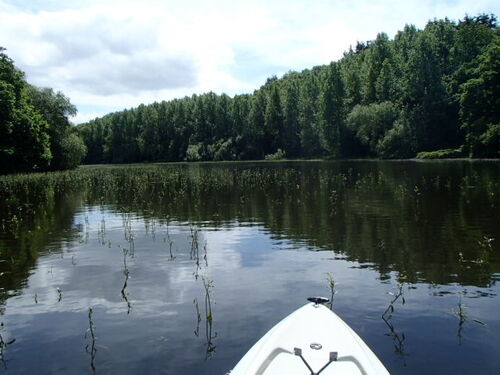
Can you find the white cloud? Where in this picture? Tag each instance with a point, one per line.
(120, 54)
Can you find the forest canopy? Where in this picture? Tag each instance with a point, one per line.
(428, 92)
(35, 132)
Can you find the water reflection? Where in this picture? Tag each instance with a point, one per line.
(140, 251)
(210, 334)
(207, 317)
(91, 348)
(433, 223)
(462, 312)
(126, 273)
(398, 338)
(4, 343)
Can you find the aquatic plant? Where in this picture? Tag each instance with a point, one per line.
(331, 285)
(91, 347)
(3, 345)
(210, 335)
(101, 232)
(463, 316)
(387, 314)
(198, 317)
(126, 272)
(195, 253)
(398, 338)
(128, 233)
(170, 244)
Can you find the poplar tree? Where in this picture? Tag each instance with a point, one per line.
(331, 110)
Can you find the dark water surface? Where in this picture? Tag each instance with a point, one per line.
(179, 269)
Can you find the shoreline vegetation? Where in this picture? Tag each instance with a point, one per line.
(35, 131)
(425, 94)
(20, 176)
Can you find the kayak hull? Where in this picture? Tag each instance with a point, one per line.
(320, 337)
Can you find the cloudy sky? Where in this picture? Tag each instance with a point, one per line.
(110, 55)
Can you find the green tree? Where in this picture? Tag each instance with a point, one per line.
(93, 135)
(273, 122)
(56, 109)
(74, 150)
(378, 53)
(403, 96)
(308, 119)
(473, 35)
(371, 123)
(385, 84)
(351, 74)
(244, 133)
(291, 141)
(24, 141)
(148, 138)
(398, 141)
(331, 110)
(480, 103)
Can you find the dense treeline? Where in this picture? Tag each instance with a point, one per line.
(425, 90)
(35, 133)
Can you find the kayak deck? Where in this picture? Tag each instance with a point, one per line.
(305, 342)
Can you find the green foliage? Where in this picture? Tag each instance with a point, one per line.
(35, 133)
(291, 127)
(193, 153)
(480, 103)
(223, 150)
(278, 155)
(273, 121)
(442, 154)
(331, 111)
(73, 149)
(24, 141)
(371, 122)
(397, 142)
(31, 147)
(376, 70)
(310, 143)
(55, 109)
(429, 89)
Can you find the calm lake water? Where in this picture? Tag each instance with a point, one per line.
(179, 269)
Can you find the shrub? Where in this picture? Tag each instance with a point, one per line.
(278, 155)
(448, 153)
(193, 153)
